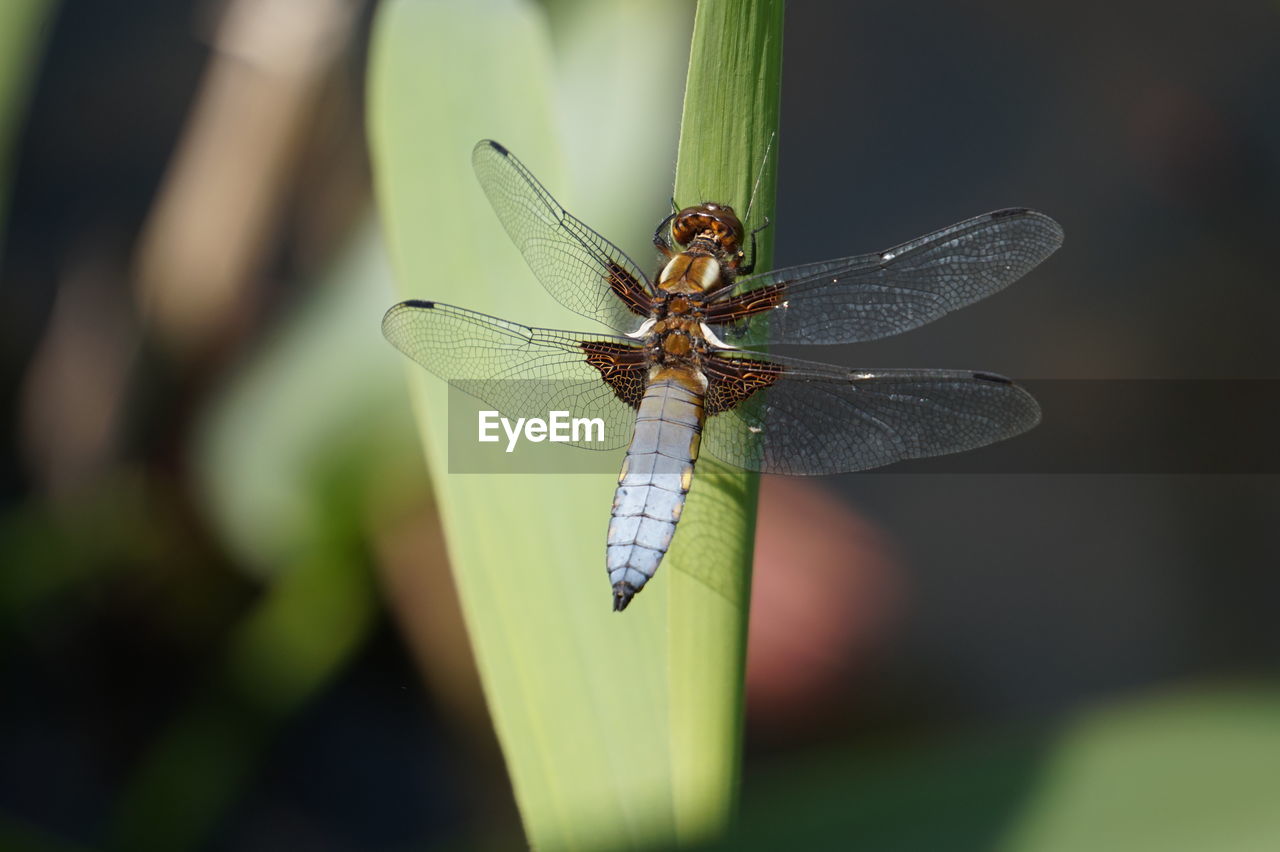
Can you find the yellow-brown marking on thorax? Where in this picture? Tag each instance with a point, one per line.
(677, 345)
(676, 335)
(689, 273)
(678, 306)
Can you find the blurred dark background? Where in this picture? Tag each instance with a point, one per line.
(952, 621)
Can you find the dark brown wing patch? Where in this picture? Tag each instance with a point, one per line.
(732, 381)
(746, 305)
(627, 288)
(622, 367)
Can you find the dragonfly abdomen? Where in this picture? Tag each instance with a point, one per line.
(655, 478)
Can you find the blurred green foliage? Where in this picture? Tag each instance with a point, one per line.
(23, 26)
(301, 445)
(1186, 770)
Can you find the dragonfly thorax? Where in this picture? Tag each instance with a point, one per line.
(676, 339)
(689, 273)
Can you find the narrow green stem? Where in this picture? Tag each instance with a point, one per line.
(727, 152)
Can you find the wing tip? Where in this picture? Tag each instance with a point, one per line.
(497, 146)
(1031, 414)
(391, 317)
(1047, 221)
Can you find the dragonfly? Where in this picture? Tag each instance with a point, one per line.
(687, 369)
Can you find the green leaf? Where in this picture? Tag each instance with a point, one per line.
(618, 730)
(1178, 772)
(1174, 771)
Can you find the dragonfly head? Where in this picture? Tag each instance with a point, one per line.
(714, 223)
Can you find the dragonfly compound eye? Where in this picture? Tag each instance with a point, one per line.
(716, 222)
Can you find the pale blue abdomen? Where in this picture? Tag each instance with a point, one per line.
(655, 478)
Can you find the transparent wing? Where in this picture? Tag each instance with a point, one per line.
(818, 418)
(877, 295)
(584, 272)
(520, 371)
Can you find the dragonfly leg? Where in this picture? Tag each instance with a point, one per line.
(748, 268)
(662, 235)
